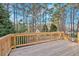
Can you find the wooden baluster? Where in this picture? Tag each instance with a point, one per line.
(37, 37)
(19, 40)
(14, 41)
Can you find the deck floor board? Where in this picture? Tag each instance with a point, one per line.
(53, 48)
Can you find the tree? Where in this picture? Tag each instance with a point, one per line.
(56, 15)
(56, 19)
(6, 26)
(53, 28)
(45, 28)
(22, 27)
(37, 10)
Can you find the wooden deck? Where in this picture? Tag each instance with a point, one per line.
(53, 48)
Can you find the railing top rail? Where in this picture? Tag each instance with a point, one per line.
(38, 32)
(28, 34)
(5, 36)
(34, 33)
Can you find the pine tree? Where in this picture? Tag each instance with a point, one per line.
(6, 26)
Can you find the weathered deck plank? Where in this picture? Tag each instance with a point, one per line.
(53, 48)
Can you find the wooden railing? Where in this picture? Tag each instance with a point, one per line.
(17, 40)
(5, 45)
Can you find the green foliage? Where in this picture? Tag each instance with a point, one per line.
(22, 28)
(45, 28)
(57, 12)
(53, 28)
(56, 17)
(6, 26)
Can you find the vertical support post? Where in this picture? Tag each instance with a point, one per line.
(60, 33)
(14, 41)
(37, 37)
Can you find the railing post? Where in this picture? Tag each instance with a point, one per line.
(14, 41)
(36, 36)
(63, 34)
